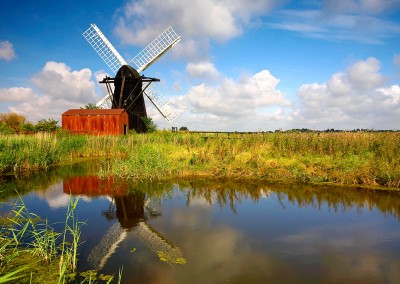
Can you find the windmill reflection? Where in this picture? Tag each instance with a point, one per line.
(130, 209)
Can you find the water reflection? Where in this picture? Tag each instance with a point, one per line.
(130, 208)
(80, 179)
(228, 231)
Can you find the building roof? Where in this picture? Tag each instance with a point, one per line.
(89, 112)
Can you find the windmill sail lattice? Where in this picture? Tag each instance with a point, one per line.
(144, 59)
(155, 49)
(104, 48)
(162, 105)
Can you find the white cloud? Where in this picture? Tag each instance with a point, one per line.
(359, 6)
(204, 69)
(6, 50)
(55, 89)
(364, 74)
(197, 21)
(237, 99)
(58, 81)
(357, 98)
(16, 94)
(339, 20)
(100, 75)
(249, 103)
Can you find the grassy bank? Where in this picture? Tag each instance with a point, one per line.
(356, 158)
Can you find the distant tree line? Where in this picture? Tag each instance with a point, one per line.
(335, 130)
(13, 123)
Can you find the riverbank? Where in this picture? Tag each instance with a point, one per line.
(368, 159)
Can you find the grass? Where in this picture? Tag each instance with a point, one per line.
(32, 252)
(30, 243)
(347, 158)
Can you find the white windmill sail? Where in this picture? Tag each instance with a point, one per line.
(104, 48)
(155, 49)
(144, 59)
(160, 102)
(107, 52)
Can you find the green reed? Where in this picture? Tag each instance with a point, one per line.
(31, 251)
(351, 158)
(30, 247)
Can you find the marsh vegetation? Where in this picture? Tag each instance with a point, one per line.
(346, 158)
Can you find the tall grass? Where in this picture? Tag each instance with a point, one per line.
(32, 252)
(30, 247)
(353, 158)
(367, 159)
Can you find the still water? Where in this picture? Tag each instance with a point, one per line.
(225, 232)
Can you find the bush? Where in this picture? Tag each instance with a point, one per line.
(150, 125)
(13, 120)
(28, 127)
(6, 129)
(47, 125)
(90, 106)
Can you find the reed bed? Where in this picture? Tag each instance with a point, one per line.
(31, 251)
(348, 158)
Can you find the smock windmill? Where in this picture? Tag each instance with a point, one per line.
(129, 85)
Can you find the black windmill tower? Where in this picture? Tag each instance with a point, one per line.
(129, 84)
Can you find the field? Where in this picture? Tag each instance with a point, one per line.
(368, 159)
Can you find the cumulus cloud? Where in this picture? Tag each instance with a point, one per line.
(251, 102)
(237, 99)
(197, 21)
(356, 98)
(6, 50)
(16, 94)
(204, 69)
(102, 88)
(55, 89)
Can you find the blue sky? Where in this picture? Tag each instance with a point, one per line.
(241, 65)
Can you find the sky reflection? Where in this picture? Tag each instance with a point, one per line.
(228, 232)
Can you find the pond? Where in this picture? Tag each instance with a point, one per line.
(201, 231)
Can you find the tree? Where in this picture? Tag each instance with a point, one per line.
(183, 128)
(150, 125)
(28, 127)
(13, 120)
(47, 125)
(6, 129)
(90, 106)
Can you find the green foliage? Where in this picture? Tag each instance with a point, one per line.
(183, 128)
(352, 158)
(28, 127)
(47, 125)
(30, 244)
(6, 129)
(90, 106)
(14, 123)
(171, 259)
(13, 120)
(150, 125)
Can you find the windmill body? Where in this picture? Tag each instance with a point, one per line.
(129, 85)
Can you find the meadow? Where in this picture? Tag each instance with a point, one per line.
(367, 159)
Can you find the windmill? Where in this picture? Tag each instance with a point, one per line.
(129, 85)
